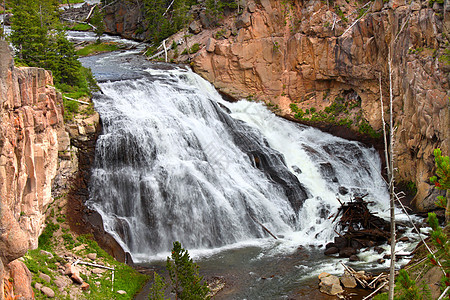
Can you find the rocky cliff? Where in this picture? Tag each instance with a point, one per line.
(31, 117)
(311, 54)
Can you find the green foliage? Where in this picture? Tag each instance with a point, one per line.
(45, 239)
(183, 274)
(407, 289)
(340, 13)
(442, 180)
(97, 21)
(192, 50)
(81, 27)
(69, 242)
(216, 8)
(157, 289)
(411, 187)
(161, 24)
(185, 281)
(337, 113)
(41, 42)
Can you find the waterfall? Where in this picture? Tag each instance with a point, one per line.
(175, 162)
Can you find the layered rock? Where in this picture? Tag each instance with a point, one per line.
(31, 115)
(305, 53)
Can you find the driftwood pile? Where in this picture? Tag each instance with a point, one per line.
(357, 228)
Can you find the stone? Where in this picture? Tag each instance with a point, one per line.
(45, 277)
(60, 282)
(251, 7)
(121, 292)
(353, 258)
(381, 261)
(330, 284)
(92, 256)
(85, 286)
(243, 21)
(98, 271)
(378, 249)
(347, 252)
(77, 278)
(195, 27)
(38, 286)
(343, 190)
(48, 292)
(377, 5)
(21, 277)
(210, 45)
(348, 281)
(331, 251)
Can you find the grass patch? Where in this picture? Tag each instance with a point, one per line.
(45, 239)
(97, 48)
(81, 27)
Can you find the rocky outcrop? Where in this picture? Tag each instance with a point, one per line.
(125, 18)
(307, 53)
(31, 115)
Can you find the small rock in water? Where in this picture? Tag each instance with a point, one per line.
(332, 250)
(348, 281)
(121, 292)
(381, 261)
(330, 284)
(353, 258)
(343, 190)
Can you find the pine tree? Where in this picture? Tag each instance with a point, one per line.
(39, 37)
(183, 273)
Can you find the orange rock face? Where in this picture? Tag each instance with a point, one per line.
(305, 53)
(31, 113)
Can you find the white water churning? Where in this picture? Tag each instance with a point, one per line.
(174, 164)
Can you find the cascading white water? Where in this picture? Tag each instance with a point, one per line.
(172, 165)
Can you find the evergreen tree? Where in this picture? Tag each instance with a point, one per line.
(183, 273)
(40, 40)
(97, 21)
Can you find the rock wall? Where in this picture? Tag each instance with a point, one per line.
(306, 53)
(125, 18)
(31, 116)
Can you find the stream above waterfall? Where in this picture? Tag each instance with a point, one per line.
(177, 162)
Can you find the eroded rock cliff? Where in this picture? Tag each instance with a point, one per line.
(31, 117)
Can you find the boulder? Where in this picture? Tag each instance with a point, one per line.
(48, 292)
(243, 21)
(347, 252)
(330, 284)
(85, 286)
(331, 251)
(121, 292)
(210, 45)
(21, 279)
(45, 277)
(353, 258)
(195, 27)
(348, 281)
(92, 256)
